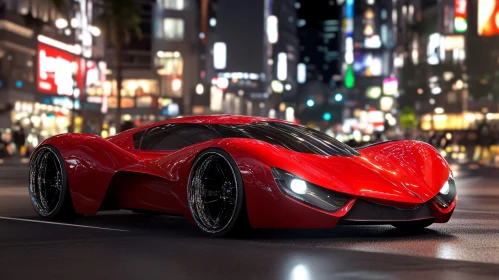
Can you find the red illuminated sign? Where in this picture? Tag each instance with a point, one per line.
(488, 15)
(460, 22)
(55, 70)
(460, 8)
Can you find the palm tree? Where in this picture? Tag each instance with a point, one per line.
(119, 20)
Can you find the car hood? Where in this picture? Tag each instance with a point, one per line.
(403, 171)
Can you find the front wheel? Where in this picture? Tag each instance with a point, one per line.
(216, 194)
(413, 225)
(48, 185)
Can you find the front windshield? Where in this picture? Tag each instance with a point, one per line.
(292, 137)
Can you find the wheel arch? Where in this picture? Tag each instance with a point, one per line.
(90, 163)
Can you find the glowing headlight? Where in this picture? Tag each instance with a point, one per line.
(447, 193)
(298, 186)
(445, 189)
(307, 192)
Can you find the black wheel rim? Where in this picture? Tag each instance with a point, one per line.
(45, 181)
(213, 193)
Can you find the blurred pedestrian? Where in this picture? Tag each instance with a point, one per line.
(3, 148)
(19, 139)
(127, 125)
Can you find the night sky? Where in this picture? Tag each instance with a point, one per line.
(316, 11)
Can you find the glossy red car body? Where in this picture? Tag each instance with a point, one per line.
(112, 174)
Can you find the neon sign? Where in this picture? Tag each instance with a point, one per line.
(55, 71)
(460, 22)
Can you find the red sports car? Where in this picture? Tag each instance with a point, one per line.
(224, 173)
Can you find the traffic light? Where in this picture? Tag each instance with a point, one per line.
(327, 116)
(310, 102)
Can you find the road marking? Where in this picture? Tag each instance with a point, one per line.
(478, 212)
(60, 224)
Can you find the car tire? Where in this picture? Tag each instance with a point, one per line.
(216, 195)
(48, 186)
(413, 225)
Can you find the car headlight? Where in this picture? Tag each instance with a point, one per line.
(447, 193)
(445, 189)
(309, 193)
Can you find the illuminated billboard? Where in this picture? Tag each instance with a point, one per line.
(390, 86)
(55, 71)
(367, 64)
(488, 12)
(460, 21)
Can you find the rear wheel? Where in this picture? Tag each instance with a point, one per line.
(216, 194)
(413, 225)
(48, 186)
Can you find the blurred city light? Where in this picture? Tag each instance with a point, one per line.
(61, 23)
(439, 110)
(220, 55)
(302, 73)
(310, 103)
(272, 29)
(327, 116)
(176, 84)
(222, 83)
(282, 66)
(199, 89)
(95, 31)
(277, 86)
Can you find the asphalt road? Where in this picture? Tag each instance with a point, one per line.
(123, 245)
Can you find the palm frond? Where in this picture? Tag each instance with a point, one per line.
(120, 18)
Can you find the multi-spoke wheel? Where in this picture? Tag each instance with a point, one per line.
(216, 193)
(48, 188)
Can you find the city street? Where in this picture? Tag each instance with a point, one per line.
(135, 246)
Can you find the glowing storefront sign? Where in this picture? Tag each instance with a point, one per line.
(76, 49)
(488, 25)
(282, 66)
(55, 71)
(216, 98)
(433, 49)
(453, 42)
(348, 27)
(272, 30)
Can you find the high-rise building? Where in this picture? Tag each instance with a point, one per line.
(368, 42)
(319, 33)
(140, 84)
(176, 38)
(448, 75)
(250, 58)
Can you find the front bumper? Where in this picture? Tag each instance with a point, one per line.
(367, 212)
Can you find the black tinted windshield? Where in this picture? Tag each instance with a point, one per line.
(292, 137)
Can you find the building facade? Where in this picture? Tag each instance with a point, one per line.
(319, 28)
(249, 57)
(48, 65)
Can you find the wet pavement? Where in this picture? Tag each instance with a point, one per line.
(123, 245)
